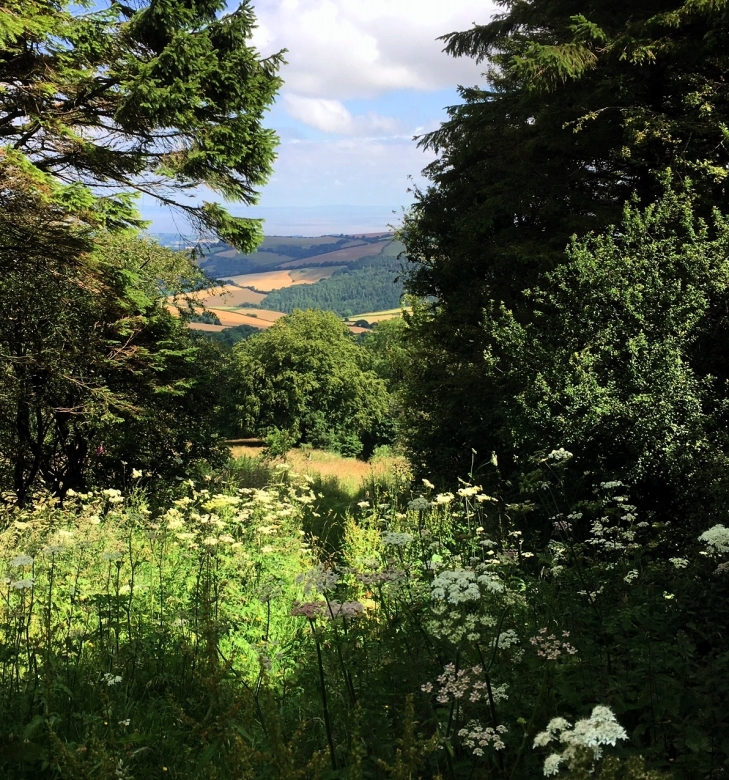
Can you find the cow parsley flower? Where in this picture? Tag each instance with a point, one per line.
(560, 455)
(717, 538)
(601, 728)
(21, 560)
(444, 498)
(456, 586)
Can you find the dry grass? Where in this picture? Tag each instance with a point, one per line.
(257, 318)
(267, 281)
(352, 474)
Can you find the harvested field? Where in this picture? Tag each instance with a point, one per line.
(313, 275)
(205, 326)
(257, 318)
(276, 280)
(228, 296)
(377, 316)
(340, 255)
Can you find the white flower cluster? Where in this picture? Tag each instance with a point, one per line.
(476, 737)
(550, 646)
(560, 455)
(455, 626)
(111, 679)
(395, 539)
(601, 728)
(717, 538)
(21, 560)
(113, 495)
(465, 684)
(318, 579)
(462, 585)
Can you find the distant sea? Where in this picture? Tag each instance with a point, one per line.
(293, 220)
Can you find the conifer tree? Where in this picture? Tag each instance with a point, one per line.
(585, 106)
(157, 97)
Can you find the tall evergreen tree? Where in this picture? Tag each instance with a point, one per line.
(157, 97)
(585, 105)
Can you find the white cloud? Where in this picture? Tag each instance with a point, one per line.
(355, 171)
(331, 116)
(345, 49)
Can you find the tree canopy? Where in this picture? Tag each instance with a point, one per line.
(306, 375)
(94, 368)
(157, 98)
(584, 109)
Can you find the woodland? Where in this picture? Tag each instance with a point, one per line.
(532, 581)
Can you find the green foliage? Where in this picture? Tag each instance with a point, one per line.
(585, 108)
(231, 336)
(306, 375)
(159, 98)
(622, 360)
(450, 634)
(370, 284)
(92, 361)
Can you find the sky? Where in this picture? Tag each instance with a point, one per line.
(363, 78)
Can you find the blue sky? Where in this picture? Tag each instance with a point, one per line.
(363, 77)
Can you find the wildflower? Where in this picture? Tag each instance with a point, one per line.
(363, 504)
(716, 537)
(318, 579)
(309, 609)
(349, 609)
(631, 575)
(21, 560)
(444, 498)
(111, 679)
(559, 455)
(419, 504)
(551, 764)
(601, 728)
(53, 549)
(113, 555)
(551, 646)
(124, 723)
(428, 484)
(475, 736)
(136, 474)
(23, 584)
(469, 491)
(456, 586)
(679, 563)
(397, 540)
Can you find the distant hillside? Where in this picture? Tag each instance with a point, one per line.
(369, 284)
(278, 252)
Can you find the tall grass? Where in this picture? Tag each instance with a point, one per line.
(434, 635)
